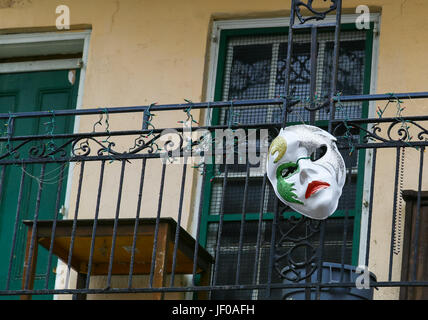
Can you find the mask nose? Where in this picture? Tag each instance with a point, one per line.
(306, 171)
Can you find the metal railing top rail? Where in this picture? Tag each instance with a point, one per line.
(209, 105)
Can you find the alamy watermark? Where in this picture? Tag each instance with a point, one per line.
(363, 280)
(363, 20)
(220, 146)
(63, 20)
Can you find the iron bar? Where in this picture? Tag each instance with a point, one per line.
(81, 136)
(221, 222)
(369, 225)
(259, 229)
(382, 120)
(242, 228)
(198, 225)
(308, 266)
(177, 230)
(155, 240)
(334, 75)
(272, 248)
(34, 228)
(380, 284)
(15, 228)
(418, 216)
(94, 227)
(345, 231)
(385, 96)
(57, 208)
(127, 156)
(144, 126)
(207, 105)
(288, 65)
(137, 220)
(135, 109)
(313, 80)
(220, 225)
(73, 230)
(330, 129)
(116, 220)
(320, 258)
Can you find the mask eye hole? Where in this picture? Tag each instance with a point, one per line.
(319, 153)
(287, 172)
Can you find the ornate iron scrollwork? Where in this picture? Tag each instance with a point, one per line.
(86, 146)
(395, 132)
(317, 15)
(81, 147)
(295, 253)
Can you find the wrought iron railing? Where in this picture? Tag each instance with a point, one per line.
(279, 275)
(60, 149)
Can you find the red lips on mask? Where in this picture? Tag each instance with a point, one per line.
(314, 187)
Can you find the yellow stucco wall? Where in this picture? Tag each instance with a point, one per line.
(157, 51)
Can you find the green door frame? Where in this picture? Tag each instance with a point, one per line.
(218, 94)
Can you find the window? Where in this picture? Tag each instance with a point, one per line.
(252, 66)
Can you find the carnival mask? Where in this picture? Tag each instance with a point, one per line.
(306, 170)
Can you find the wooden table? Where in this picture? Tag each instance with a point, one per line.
(123, 248)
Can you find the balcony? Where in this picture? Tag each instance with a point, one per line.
(126, 206)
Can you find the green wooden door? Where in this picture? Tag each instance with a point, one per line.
(23, 92)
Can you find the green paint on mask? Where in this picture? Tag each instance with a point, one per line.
(286, 189)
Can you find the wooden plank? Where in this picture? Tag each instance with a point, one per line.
(161, 260)
(86, 231)
(29, 267)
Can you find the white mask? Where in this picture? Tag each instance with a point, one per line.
(310, 186)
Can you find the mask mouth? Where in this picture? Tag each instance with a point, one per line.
(314, 187)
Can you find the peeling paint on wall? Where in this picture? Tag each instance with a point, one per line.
(113, 17)
(4, 4)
